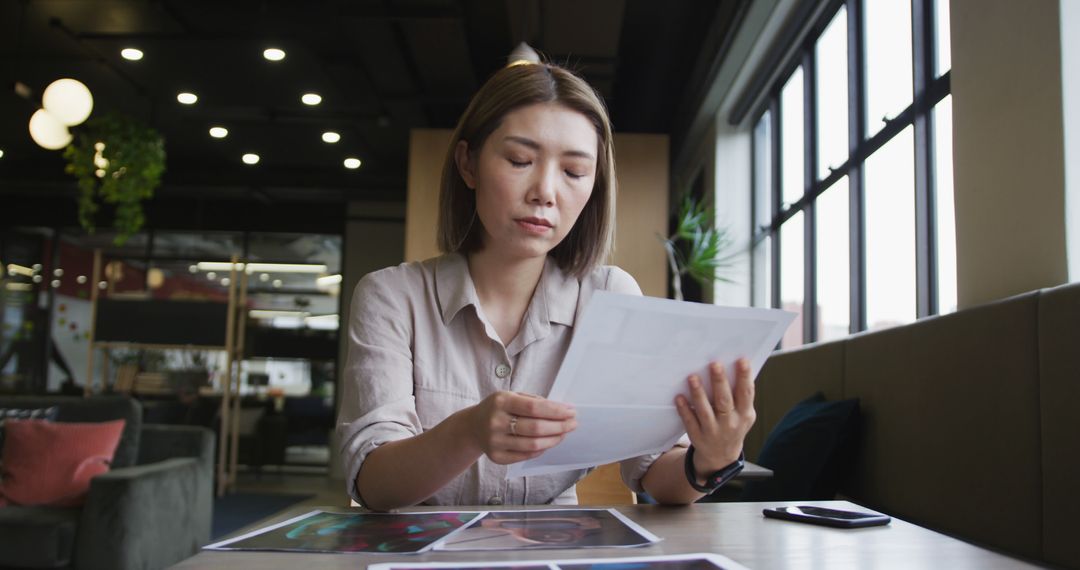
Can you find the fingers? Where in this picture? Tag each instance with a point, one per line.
(699, 399)
(518, 444)
(723, 400)
(529, 406)
(689, 418)
(744, 387)
(532, 427)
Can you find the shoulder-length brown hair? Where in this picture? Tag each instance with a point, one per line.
(590, 240)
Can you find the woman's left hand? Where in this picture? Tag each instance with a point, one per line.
(717, 428)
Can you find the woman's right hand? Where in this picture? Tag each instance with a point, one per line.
(509, 427)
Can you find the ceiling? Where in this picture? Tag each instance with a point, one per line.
(382, 67)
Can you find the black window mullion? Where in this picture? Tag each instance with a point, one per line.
(774, 142)
(925, 242)
(809, 178)
(856, 134)
(754, 158)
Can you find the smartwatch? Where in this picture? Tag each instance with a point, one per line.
(715, 480)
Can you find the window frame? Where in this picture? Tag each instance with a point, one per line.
(929, 89)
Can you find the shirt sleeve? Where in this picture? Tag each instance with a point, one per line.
(633, 470)
(377, 403)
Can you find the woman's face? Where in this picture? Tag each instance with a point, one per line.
(532, 177)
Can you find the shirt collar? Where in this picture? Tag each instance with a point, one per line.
(555, 298)
(453, 286)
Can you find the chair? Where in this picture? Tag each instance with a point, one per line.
(151, 510)
(604, 486)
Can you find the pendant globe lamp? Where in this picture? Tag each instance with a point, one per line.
(48, 132)
(68, 100)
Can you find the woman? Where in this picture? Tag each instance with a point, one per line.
(449, 358)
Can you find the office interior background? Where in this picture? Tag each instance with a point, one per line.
(876, 162)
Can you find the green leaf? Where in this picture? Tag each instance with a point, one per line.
(705, 250)
(136, 161)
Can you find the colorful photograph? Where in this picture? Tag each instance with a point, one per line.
(392, 533)
(470, 567)
(563, 528)
(699, 561)
(695, 564)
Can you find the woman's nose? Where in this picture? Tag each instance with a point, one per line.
(544, 186)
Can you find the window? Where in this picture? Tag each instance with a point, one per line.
(853, 211)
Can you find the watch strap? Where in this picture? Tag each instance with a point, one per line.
(714, 480)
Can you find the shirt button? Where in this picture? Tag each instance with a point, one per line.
(496, 500)
(502, 371)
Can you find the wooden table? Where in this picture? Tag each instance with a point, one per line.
(735, 530)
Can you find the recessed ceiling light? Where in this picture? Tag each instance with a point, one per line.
(219, 132)
(274, 54)
(131, 54)
(352, 163)
(330, 137)
(187, 98)
(250, 158)
(1, 153)
(311, 98)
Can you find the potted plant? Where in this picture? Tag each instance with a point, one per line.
(697, 247)
(118, 162)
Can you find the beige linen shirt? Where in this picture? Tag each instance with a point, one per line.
(421, 349)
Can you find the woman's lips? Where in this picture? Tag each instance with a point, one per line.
(534, 226)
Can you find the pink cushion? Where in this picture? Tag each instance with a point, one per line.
(48, 463)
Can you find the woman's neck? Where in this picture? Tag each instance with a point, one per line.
(504, 287)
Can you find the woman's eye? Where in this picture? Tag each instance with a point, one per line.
(518, 163)
(574, 175)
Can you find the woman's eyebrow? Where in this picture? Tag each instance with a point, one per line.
(524, 141)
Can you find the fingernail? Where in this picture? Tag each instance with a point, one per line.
(744, 365)
(694, 381)
(716, 368)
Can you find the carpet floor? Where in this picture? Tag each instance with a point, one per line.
(235, 511)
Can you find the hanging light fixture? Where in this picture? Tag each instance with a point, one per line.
(48, 132)
(68, 100)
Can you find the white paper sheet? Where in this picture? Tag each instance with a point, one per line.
(698, 561)
(630, 357)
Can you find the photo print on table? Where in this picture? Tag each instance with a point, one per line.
(550, 528)
(320, 531)
(698, 561)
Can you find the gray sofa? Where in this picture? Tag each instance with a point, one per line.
(152, 509)
(971, 421)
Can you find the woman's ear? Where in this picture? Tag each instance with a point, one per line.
(464, 164)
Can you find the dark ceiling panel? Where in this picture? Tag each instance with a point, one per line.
(657, 51)
(383, 67)
(585, 29)
(441, 53)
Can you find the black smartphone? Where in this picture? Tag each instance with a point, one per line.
(827, 517)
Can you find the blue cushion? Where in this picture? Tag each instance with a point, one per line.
(809, 451)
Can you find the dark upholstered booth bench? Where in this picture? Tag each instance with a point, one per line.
(151, 510)
(971, 421)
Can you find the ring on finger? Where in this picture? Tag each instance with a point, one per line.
(513, 425)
